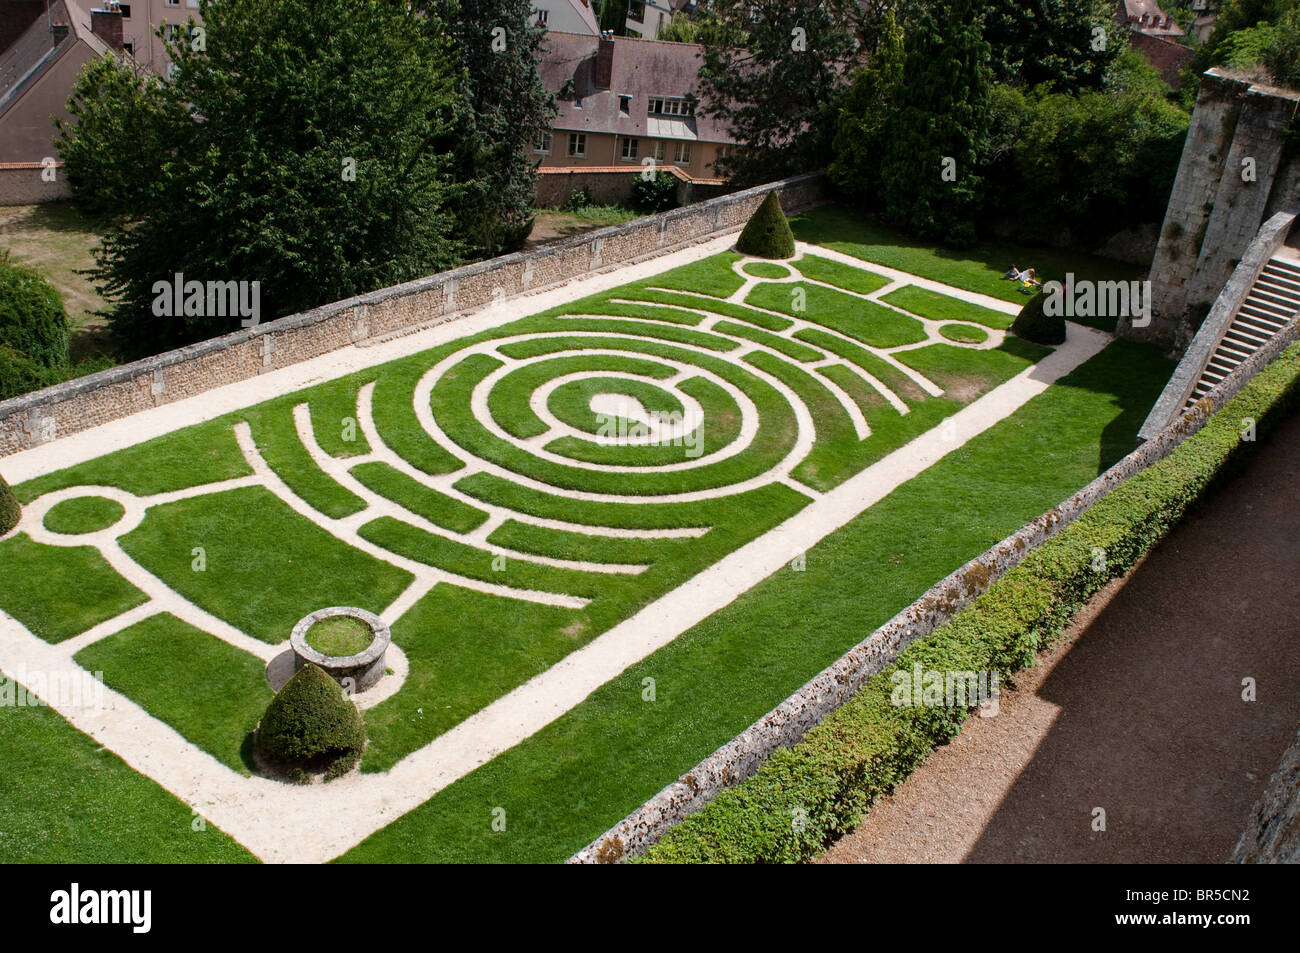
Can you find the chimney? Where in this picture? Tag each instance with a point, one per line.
(605, 61)
(107, 25)
(60, 31)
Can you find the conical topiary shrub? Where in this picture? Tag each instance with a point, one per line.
(310, 727)
(1035, 324)
(768, 233)
(10, 512)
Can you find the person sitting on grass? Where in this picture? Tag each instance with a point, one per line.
(1028, 282)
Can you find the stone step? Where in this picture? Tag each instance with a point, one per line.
(1284, 303)
(1281, 264)
(1255, 301)
(1246, 336)
(1266, 325)
(1235, 349)
(1280, 283)
(1271, 318)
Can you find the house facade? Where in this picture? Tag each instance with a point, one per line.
(567, 16)
(627, 103)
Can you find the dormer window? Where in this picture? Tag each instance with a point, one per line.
(671, 106)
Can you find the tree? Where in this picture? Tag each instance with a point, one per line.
(774, 72)
(1066, 43)
(934, 136)
(312, 159)
(504, 109)
(859, 136)
(310, 724)
(10, 511)
(767, 234)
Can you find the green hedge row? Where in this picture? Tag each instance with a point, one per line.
(806, 795)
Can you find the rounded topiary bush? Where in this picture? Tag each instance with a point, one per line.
(768, 233)
(310, 727)
(1035, 324)
(10, 512)
(32, 319)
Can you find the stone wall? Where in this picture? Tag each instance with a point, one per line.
(786, 724)
(1219, 199)
(186, 372)
(21, 184)
(608, 186)
(1273, 834)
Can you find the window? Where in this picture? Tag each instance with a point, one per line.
(129, 48)
(682, 153)
(636, 11)
(171, 3)
(126, 10)
(542, 16)
(542, 145)
(170, 31)
(578, 144)
(671, 106)
(661, 151)
(630, 148)
(625, 104)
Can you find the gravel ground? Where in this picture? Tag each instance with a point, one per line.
(1137, 710)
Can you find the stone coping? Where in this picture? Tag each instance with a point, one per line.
(382, 637)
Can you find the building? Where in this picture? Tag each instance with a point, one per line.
(645, 18)
(37, 72)
(625, 103)
(567, 16)
(1155, 35)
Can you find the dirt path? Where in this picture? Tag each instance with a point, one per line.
(1138, 710)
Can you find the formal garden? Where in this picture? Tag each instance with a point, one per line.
(605, 538)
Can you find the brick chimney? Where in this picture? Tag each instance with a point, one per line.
(605, 62)
(107, 25)
(60, 32)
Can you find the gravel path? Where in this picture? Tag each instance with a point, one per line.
(1138, 710)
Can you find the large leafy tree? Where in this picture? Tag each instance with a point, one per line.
(504, 108)
(861, 129)
(301, 145)
(934, 135)
(775, 70)
(1067, 43)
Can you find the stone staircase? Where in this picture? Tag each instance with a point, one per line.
(1273, 301)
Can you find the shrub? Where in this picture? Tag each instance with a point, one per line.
(1035, 324)
(654, 193)
(19, 374)
(310, 725)
(866, 747)
(32, 319)
(10, 512)
(768, 233)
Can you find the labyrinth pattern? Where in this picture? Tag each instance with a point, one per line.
(503, 499)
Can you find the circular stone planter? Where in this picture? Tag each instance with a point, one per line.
(364, 669)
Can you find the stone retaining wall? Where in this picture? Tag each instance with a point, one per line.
(1273, 835)
(21, 183)
(786, 724)
(86, 402)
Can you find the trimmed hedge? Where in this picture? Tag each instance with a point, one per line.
(10, 512)
(32, 319)
(310, 726)
(767, 234)
(1033, 323)
(806, 795)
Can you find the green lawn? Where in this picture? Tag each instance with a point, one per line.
(979, 268)
(68, 799)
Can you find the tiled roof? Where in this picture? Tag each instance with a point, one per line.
(34, 52)
(642, 69)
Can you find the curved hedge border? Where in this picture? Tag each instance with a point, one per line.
(807, 794)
